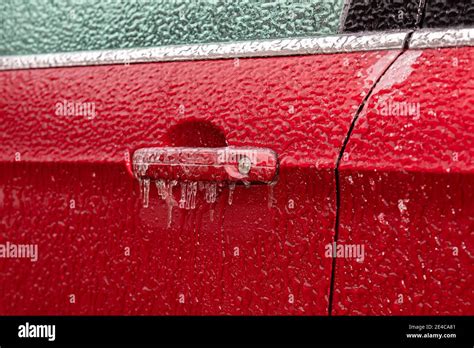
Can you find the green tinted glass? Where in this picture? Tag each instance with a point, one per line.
(43, 26)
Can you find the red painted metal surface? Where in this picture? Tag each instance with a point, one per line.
(260, 250)
(407, 191)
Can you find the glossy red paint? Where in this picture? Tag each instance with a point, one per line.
(259, 250)
(407, 191)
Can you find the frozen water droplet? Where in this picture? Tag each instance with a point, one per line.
(381, 218)
(401, 206)
(231, 192)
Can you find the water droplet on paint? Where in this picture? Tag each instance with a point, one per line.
(401, 205)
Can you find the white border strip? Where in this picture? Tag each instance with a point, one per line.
(260, 48)
(442, 38)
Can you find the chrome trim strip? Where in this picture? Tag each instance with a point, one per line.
(442, 38)
(260, 48)
(426, 38)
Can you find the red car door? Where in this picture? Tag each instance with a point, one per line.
(148, 172)
(69, 135)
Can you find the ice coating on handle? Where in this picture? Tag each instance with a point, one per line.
(205, 164)
(201, 169)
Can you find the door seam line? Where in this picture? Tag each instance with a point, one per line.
(338, 162)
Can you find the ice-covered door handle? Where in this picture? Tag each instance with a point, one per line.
(232, 164)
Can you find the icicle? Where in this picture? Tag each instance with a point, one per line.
(144, 183)
(231, 192)
(211, 192)
(161, 187)
(146, 192)
(188, 195)
(170, 200)
(182, 200)
(191, 195)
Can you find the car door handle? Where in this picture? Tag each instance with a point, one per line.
(230, 164)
